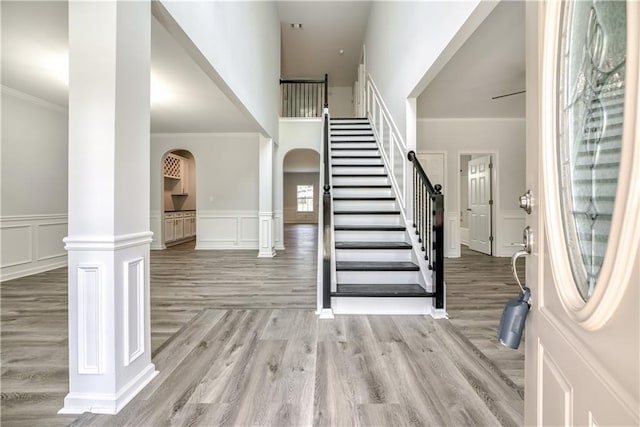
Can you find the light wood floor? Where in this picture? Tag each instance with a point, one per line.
(478, 286)
(251, 351)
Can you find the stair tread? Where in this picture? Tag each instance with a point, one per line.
(365, 199)
(363, 186)
(360, 175)
(376, 266)
(355, 157)
(373, 245)
(380, 290)
(358, 166)
(370, 227)
(363, 212)
(354, 149)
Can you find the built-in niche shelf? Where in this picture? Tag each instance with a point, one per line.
(176, 172)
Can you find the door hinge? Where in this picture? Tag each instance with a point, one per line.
(490, 165)
(491, 238)
(491, 202)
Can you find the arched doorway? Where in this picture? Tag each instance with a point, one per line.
(301, 186)
(178, 197)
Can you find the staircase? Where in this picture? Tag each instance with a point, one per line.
(377, 270)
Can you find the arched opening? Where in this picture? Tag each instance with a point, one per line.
(178, 198)
(301, 185)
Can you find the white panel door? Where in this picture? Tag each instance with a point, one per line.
(480, 203)
(582, 348)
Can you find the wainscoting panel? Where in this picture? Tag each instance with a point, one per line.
(451, 235)
(155, 221)
(134, 314)
(227, 230)
(16, 245)
(31, 244)
(512, 222)
(89, 309)
(49, 235)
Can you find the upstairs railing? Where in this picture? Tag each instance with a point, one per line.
(303, 98)
(428, 221)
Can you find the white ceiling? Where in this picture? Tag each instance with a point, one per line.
(35, 57)
(327, 28)
(490, 63)
(35, 45)
(35, 49)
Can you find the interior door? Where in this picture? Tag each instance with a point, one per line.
(582, 346)
(480, 203)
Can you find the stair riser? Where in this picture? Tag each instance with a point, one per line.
(350, 132)
(359, 139)
(356, 180)
(358, 170)
(363, 153)
(342, 305)
(373, 255)
(367, 219)
(370, 236)
(373, 277)
(350, 126)
(368, 205)
(361, 192)
(355, 145)
(352, 162)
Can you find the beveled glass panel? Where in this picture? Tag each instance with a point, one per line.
(591, 86)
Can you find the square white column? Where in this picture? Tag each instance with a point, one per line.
(109, 237)
(265, 205)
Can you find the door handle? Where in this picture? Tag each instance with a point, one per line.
(526, 250)
(526, 202)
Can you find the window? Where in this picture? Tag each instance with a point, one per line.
(305, 198)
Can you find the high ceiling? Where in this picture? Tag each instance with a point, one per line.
(491, 63)
(328, 28)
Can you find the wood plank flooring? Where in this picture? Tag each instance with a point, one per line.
(236, 342)
(478, 286)
(287, 368)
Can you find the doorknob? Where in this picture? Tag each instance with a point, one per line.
(516, 310)
(525, 202)
(526, 250)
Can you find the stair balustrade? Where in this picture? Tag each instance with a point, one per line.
(303, 98)
(428, 221)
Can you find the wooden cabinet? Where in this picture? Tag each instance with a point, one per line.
(179, 226)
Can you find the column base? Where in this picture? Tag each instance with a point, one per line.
(108, 403)
(267, 253)
(326, 313)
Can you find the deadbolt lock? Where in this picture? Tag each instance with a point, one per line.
(525, 202)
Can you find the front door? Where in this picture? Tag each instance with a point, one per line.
(582, 341)
(480, 202)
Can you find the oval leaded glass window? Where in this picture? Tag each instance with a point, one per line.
(590, 111)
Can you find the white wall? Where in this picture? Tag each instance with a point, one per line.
(506, 137)
(341, 101)
(241, 41)
(226, 187)
(291, 182)
(34, 185)
(403, 41)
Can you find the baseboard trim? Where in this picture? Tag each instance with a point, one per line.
(108, 403)
(34, 270)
